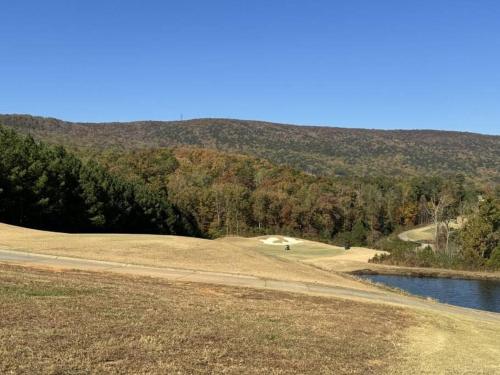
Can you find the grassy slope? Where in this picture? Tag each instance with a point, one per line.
(450, 345)
(300, 251)
(234, 255)
(141, 324)
(313, 149)
(75, 322)
(83, 322)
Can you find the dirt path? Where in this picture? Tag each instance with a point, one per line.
(184, 275)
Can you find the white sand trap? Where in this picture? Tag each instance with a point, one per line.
(280, 241)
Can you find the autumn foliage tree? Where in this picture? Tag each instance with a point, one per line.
(231, 194)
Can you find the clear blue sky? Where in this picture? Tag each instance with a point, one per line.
(372, 64)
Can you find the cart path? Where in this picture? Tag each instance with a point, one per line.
(176, 274)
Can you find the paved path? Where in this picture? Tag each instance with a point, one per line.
(408, 237)
(175, 274)
(403, 236)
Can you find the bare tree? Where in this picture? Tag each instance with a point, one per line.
(437, 209)
(423, 211)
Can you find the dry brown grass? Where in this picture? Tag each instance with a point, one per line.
(354, 259)
(234, 255)
(79, 322)
(450, 344)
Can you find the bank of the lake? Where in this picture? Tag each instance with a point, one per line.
(476, 294)
(380, 269)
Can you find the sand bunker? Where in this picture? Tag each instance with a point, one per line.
(280, 241)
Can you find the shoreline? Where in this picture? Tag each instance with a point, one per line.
(425, 272)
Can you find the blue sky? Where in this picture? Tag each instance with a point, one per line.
(371, 64)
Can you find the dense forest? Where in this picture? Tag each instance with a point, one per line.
(317, 150)
(231, 194)
(226, 194)
(48, 188)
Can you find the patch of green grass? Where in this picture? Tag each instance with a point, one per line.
(299, 251)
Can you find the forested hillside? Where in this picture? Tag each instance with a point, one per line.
(317, 150)
(231, 194)
(46, 187)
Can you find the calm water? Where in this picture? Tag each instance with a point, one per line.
(476, 294)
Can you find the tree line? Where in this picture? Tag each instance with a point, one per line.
(230, 194)
(46, 187)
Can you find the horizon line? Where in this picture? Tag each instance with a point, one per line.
(247, 120)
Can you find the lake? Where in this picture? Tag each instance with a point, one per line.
(476, 294)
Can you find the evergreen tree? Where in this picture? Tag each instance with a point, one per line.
(48, 188)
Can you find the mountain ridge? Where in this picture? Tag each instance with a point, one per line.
(229, 120)
(314, 149)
